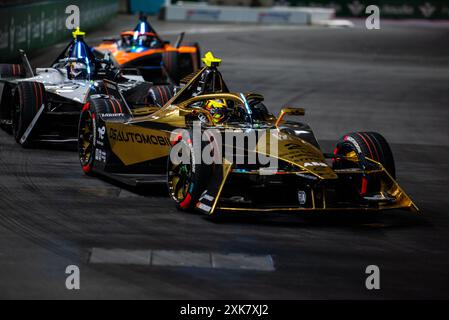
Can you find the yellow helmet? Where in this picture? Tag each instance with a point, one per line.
(217, 108)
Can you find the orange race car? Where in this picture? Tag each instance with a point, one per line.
(157, 60)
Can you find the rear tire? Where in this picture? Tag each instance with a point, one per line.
(170, 60)
(196, 57)
(29, 98)
(12, 71)
(87, 128)
(160, 95)
(180, 65)
(372, 145)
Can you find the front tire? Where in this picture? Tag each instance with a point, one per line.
(88, 126)
(186, 181)
(371, 145)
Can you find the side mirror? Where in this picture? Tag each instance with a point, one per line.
(291, 111)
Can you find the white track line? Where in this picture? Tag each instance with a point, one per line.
(178, 258)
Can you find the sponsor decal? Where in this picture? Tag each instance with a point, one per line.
(204, 207)
(100, 155)
(111, 115)
(274, 16)
(315, 164)
(306, 176)
(101, 132)
(431, 9)
(204, 15)
(401, 10)
(99, 140)
(356, 8)
(427, 10)
(140, 138)
(207, 197)
(302, 197)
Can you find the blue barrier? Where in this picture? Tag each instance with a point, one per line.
(146, 6)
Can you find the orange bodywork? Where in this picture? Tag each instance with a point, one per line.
(123, 57)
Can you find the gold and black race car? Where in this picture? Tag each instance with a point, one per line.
(222, 151)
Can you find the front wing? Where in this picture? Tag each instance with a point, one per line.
(236, 190)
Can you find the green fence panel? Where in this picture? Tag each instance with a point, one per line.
(39, 24)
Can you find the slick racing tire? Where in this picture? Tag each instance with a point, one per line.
(160, 95)
(179, 65)
(88, 125)
(186, 181)
(11, 71)
(371, 144)
(6, 108)
(170, 60)
(29, 98)
(196, 56)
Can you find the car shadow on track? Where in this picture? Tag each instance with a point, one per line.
(63, 147)
(353, 220)
(395, 219)
(149, 190)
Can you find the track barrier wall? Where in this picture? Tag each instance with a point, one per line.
(277, 15)
(30, 26)
(396, 9)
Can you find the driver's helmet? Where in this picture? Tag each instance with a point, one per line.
(78, 71)
(218, 109)
(144, 39)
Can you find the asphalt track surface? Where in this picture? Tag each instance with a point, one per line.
(394, 81)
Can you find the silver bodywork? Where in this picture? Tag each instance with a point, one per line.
(57, 82)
